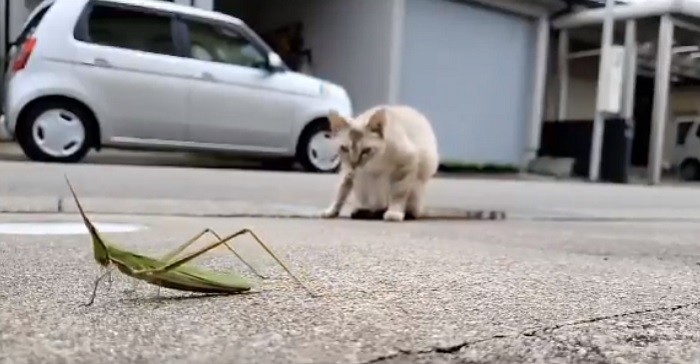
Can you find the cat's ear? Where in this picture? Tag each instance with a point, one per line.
(338, 122)
(377, 122)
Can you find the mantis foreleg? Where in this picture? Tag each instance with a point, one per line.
(194, 255)
(168, 257)
(97, 282)
(109, 288)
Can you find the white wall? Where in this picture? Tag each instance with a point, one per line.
(581, 100)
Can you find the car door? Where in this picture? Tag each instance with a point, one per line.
(127, 56)
(236, 102)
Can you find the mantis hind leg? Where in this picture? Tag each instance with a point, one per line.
(173, 265)
(237, 255)
(168, 257)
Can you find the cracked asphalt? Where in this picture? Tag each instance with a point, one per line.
(421, 292)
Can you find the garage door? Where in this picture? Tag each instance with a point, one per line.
(469, 68)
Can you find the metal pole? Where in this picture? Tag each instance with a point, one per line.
(661, 91)
(629, 87)
(598, 122)
(630, 69)
(538, 89)
(563, 69)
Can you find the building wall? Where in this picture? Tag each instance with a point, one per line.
(581, 100)
(582, 97)
(18, 13)
(470, 69)
(245, 10)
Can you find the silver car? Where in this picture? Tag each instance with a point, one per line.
(156, 75)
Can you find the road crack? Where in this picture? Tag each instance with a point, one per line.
(526, 333)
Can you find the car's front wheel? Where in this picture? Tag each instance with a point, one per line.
(690, 170)
(315, 152)
(55, 131)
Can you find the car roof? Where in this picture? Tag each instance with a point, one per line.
(179, 8)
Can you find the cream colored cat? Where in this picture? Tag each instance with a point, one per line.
(388, 155)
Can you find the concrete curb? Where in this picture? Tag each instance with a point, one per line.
(29, 204)
(198, 208)
(213, 208)
(105, 205)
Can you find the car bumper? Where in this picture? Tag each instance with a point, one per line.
(5, 134)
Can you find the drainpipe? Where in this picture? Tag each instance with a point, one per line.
(563, 75)
(398, 15)
(599, 121)
(539, 88)
(661, 93)
(5, 49)
(6, 28)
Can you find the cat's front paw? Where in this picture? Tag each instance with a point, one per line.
(394, 216)
(330, 213)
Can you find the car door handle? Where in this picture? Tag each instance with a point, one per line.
(101, 62)
(207, 76)
(97, 62)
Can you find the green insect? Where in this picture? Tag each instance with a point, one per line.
(169, 272)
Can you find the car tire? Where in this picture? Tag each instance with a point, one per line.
(312, 154)
(55, 131)
(689, 170)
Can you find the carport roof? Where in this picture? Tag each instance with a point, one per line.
(641, 9)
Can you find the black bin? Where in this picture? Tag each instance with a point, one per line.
(572, 139)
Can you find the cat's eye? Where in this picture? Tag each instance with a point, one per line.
(343, 149)
(366, 151)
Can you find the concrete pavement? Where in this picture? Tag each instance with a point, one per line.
(421, 292)
(578, 273)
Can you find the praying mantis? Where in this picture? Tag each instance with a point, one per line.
(169, 272)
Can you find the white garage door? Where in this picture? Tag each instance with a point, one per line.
(469, 68)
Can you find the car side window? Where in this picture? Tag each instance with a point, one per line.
(212, 43)
(682, 132)
(131, 29)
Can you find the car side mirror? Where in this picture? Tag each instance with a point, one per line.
(274, 62)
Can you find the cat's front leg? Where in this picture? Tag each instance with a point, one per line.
(401, 186)
(370, 191)
(341, 196)
(414, 204)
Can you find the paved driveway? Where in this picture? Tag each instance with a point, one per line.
(422, 292)
(578, 273)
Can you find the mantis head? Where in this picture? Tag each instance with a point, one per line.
(99, 247)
